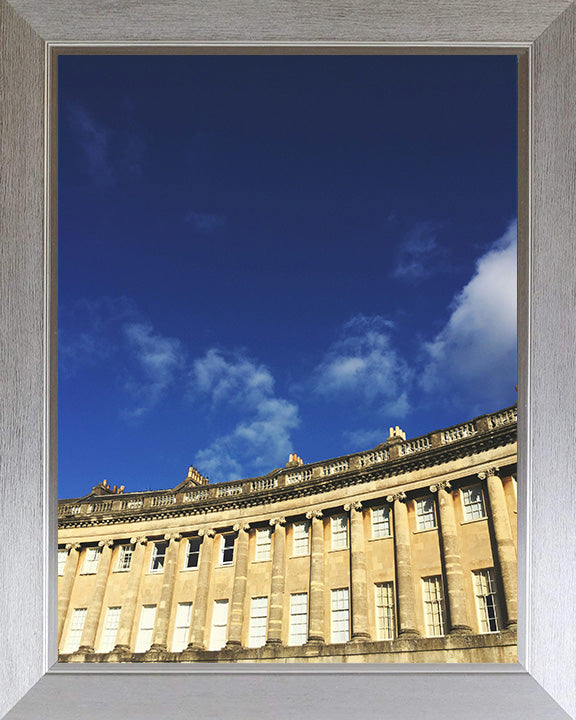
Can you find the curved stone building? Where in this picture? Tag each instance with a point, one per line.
(403, 553)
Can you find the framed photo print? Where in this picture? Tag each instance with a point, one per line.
(286, 420)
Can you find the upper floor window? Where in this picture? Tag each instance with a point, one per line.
(158, 556)
(300, 538)
(227, 549)
(486, 600)
(425, 514)
(380, 522)
(91, 560)
(473, 503)
(62, 555)
(339, 526)
(124, 557)
(263, 543)
(192, 552)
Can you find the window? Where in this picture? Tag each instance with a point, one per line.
(182, 626)
(108, 639)
(263, 542)
(473, 503)
(298, 618)
(300, 538)
(219, 623)
(258, 613)
(158, 556)
(75, 631)
(385, 610)
(125, 557)
(486, 600)
(192, 552)
(340, 616)
(62, 555)
(433, 605)
(91, 560)
(425, 515)
(339, 525)
(144, 639)
(227, 550)
(380, 522)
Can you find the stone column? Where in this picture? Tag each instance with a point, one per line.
(130, 598)
(65, 589)
(277, 583)
(456, 597)
(404, 579)
(316, 599)
(358, 581)
(239, 587)
(504, 542)
(160, 634)
(95, 606)
(200, 609)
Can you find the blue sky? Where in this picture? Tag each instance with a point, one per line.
(264, 255)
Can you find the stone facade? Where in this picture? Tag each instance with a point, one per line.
(403, 553)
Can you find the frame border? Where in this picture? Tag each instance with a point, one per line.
(547, 29)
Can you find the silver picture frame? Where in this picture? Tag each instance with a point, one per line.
(542, 33)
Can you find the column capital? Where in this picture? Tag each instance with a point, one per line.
(138, 540)
(277, 521)
(106, 543)
(444, 485)
(208, 532)
(241, 526)
(73, 546)
(356, 505)
(489, 472)
(173, 536)
(401, 496)
(313, 514)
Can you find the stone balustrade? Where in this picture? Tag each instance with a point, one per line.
(303, 474)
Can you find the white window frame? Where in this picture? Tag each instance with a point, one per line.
(385, 610)
(110, 629)
(182, 624)
(195, 539)
(91, 559)
(301, 538)
(218, 630)
(423, 515)
(340, 615)
(155, 554)
(381, 527)
(472, 509)
(62, 557)
(339, 532)
(224, 547)
(298, 631)
(434, 606)
(145, 631)
(487, 601)
(258, 621)
(125, 551)
(263, 548)
(75, 630)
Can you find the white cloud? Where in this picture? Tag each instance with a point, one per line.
(260, 439)
(419, 255)
(159, 359)
(363, 363)
(475, 352)
(94, 142)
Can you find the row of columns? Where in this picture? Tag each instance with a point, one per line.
(406, 607)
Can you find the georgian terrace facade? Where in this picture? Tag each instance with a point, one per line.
(404, 553)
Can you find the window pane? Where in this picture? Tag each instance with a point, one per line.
(263, 543)
(473, 503)
(75, 630)
(380, 522)
(339, 525)
(91, 560)
(257, 630)
(158, 556)
(108, 639)
(486, 600)
(193, 552)
(144, 640)
(227, 549)
(125, 557)
(433, 605)
(182, 627)
(425, 515)
(219, 624)
(298, 618)
(300, 538)
(385, 611)
(340, 619)
(62, 556)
